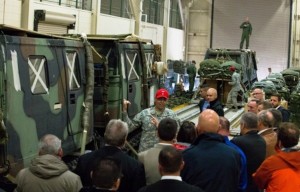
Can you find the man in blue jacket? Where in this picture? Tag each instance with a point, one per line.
(224, 130)
(209, 163)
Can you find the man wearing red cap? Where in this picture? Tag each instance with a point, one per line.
(236, 87)
(149, 118)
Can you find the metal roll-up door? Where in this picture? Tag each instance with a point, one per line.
(53, 22)
(52, 28)
(270, 35)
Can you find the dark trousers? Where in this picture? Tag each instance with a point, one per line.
(245, 36)
(191, 82)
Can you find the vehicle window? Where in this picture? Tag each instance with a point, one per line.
(37, 74)
(73, 70)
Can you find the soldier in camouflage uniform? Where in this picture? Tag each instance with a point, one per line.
(236, 87)
(247, 31)
(148, 119)
(191, 71)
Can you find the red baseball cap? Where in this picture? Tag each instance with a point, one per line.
(162, 93)
(231, 68)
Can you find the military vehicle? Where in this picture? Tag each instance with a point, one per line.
(127, 74)
(214, 70)
(267, 85)
(291, 76)
(280, 85)
(68, 86)
(46, 86)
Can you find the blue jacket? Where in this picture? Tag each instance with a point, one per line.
(243, 175)
(212, 165)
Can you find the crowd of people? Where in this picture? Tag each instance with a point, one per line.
(180, 156)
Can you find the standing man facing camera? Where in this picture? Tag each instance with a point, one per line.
(214, 103)
(148, 119)
(247, 31)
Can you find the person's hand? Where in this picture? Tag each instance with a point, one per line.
(125, 105)
(154, 121)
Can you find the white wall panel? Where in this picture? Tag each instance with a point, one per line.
(114, 25)
(10, 12)
(153, 32)
(270, 36)
(85, 22)
(175, 44)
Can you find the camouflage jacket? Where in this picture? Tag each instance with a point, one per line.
(235, 81)
(143, 120)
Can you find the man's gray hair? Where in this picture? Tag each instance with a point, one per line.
(249, 120)
(266, 118)
(116, 133)
(49, 144)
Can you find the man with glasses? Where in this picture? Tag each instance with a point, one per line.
(258, 94)
(148, 119)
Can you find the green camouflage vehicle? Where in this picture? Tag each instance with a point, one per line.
(127, 74)
(68, 86)
(219, 76)
(267, 85)
(279, 82)
(46, 86)
(294, 105)
(291, 77)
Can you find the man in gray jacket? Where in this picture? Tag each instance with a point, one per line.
(236, 87)
(47, 172)
(166, 131)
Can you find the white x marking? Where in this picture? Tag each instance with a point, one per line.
(149, 62)
(37, 73)
(132, 65)
(71, 65)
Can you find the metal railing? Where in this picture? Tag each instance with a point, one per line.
(78, 4)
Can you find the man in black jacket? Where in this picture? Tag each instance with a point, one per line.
(252, 144)
(170, 164)
(115, 136)
(106, 176)
(275, 100)
(214, 103)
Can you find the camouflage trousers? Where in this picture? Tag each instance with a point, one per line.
(232, 98)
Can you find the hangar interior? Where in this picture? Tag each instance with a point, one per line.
(184, 28)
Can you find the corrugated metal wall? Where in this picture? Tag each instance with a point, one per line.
(271, 29)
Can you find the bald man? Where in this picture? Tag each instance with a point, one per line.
(214, 103)
(209, 163)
